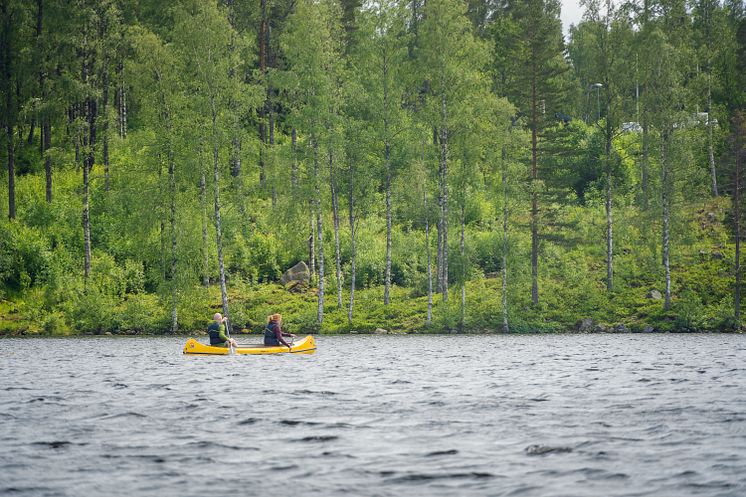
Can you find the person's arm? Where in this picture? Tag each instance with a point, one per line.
(279, 334)
(225, 338)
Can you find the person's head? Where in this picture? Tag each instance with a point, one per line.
(275, 317)
(218, 317)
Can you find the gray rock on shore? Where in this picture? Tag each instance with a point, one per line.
(298, 273)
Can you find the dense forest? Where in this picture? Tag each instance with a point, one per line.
(439, 165)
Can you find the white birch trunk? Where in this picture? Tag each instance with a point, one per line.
(218, 225)
(710, 145)
(205, 252)
(353, 254)
(387, 158)
(463, 268)
(320, 234)
(666, 218)
(429, 317)
(444, 191)
(335, 219)
(506, 328)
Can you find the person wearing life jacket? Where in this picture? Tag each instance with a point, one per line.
(273, 334)
(216, 330)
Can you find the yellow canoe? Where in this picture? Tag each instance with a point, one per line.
(305, 345)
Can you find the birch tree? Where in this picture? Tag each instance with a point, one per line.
(312, 46)
(206, 46)
(450, 59)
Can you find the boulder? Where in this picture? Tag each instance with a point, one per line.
(585, 325)
(620, 328)
(654, 294)
(717, 256)
(380, 331)
(296, 286)
(299, 272)
(648, 329)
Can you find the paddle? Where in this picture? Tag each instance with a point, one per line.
(228, 332)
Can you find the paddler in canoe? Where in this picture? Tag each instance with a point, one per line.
(216, 330)
(273, 334)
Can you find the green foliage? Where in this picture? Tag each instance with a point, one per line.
(366, 100)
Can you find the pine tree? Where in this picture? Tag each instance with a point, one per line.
(529, 66)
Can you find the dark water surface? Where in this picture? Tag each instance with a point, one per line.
(557, 415)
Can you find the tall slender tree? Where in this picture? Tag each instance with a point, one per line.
(450, 60)
(311, 43)
(529, 67)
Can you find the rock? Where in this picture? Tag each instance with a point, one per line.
(297, 287)
(380, 331)
(711, 217)
(540, 450)
(620, 328)
(108, 333)
(717, 256)
(648, 329)
(599, 328)
(493, 275)
(585, 325)
(654, 294)
(299, 272)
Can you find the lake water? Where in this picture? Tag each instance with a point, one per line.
(531, 415)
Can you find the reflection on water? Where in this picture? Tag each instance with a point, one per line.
(575, 415)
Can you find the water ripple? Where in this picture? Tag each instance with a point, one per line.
(496, 415)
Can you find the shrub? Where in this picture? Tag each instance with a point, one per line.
(142, 313)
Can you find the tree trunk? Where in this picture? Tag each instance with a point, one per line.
(609, 219)
(387, 159)
(235, 159)
(387, 274)
(335, 219)
(89, 160)
(294, 169)
(504, 271)
(47, 144)
(11, 168)
(121, 102)
(462, 246)
(122, 108)
(235, 171)
(86, 223)
(737, 228)
(218, 225)
(710, 145)
(263, 39)
(645, 162)
(272, 165)
(439, 248)
(665, 197)
(312, 242)
(438, 229)
(443, 139)
(105, 125)
(319, 231)
(205, 252)
(534, 195)
(429, 317)
(8, 118)
(172, 223)
(353, 254)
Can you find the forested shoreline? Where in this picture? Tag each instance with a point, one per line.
(439, 165)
